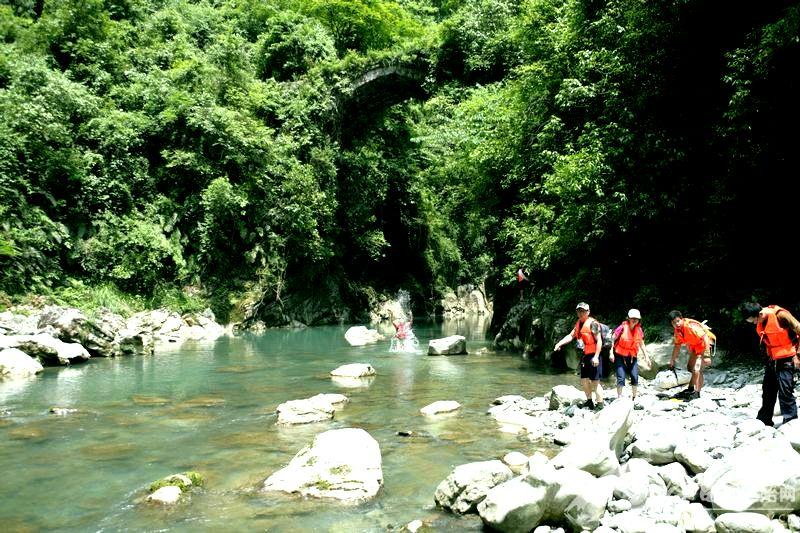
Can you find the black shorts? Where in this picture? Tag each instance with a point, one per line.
(588, 370)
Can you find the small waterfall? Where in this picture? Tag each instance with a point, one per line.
(404, 299)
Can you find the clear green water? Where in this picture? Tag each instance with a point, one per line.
(210, 407)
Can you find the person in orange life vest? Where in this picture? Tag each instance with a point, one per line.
(587, 331)
(691, 333)
(778, 332)
(522, 282)
(628, 340)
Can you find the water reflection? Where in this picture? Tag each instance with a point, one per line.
(352, 383)
(473, 327)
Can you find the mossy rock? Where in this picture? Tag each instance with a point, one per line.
(182, 481)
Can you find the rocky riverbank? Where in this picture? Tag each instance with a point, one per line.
(655, 464)
(31, 338)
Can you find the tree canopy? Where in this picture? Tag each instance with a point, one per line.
(623, 151)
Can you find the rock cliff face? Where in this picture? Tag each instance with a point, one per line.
(534, 334)
(466, 300)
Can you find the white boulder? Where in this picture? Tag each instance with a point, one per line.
(361, 336)
(452, 345)
(743, 523)
(341, 464)
(565, 395)
(46, 348)
(353, 370)
(678, 481)
(15, 363)
(467, 485)
(667, 379)
(166, 495)
(589, 454)
(762, 476)
(315, 409)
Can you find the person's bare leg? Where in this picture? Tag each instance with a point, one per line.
(598, 392)
(586, 383)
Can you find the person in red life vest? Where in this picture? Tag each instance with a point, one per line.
(401, 328)
(522, 282)
(778, 332)
(628, 340)
(587, 334)
(691, 333)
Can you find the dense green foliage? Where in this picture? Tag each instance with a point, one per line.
(626, 152)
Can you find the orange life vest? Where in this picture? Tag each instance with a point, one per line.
(629, 339)
(585, 334)
(693, 334)
(776, 338)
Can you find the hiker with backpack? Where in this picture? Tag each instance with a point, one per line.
(628, 341)
(698, 340)
(588, 336)
(779, 333)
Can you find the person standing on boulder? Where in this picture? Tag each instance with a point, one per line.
(587, 334)
(779, 332)
(628, 340)
(691, 333)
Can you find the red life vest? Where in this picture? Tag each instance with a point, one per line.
(401, 330)
(693, 334)
(585, 334)
(776, 338)
(629, 339)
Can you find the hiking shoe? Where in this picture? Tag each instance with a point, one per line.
(588, 404)
(685, 393)
(692, 396)
(598, 406)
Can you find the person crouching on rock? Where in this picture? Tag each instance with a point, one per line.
(691, 333)
(628, 340)
(587, 333)
(779, 332)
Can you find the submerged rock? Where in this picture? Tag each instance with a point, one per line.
(440, 406)
(315, 409)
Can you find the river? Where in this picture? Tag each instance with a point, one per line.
(210, 407)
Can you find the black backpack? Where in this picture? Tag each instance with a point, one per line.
(607, 335)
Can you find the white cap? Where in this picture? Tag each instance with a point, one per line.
(634, 313)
